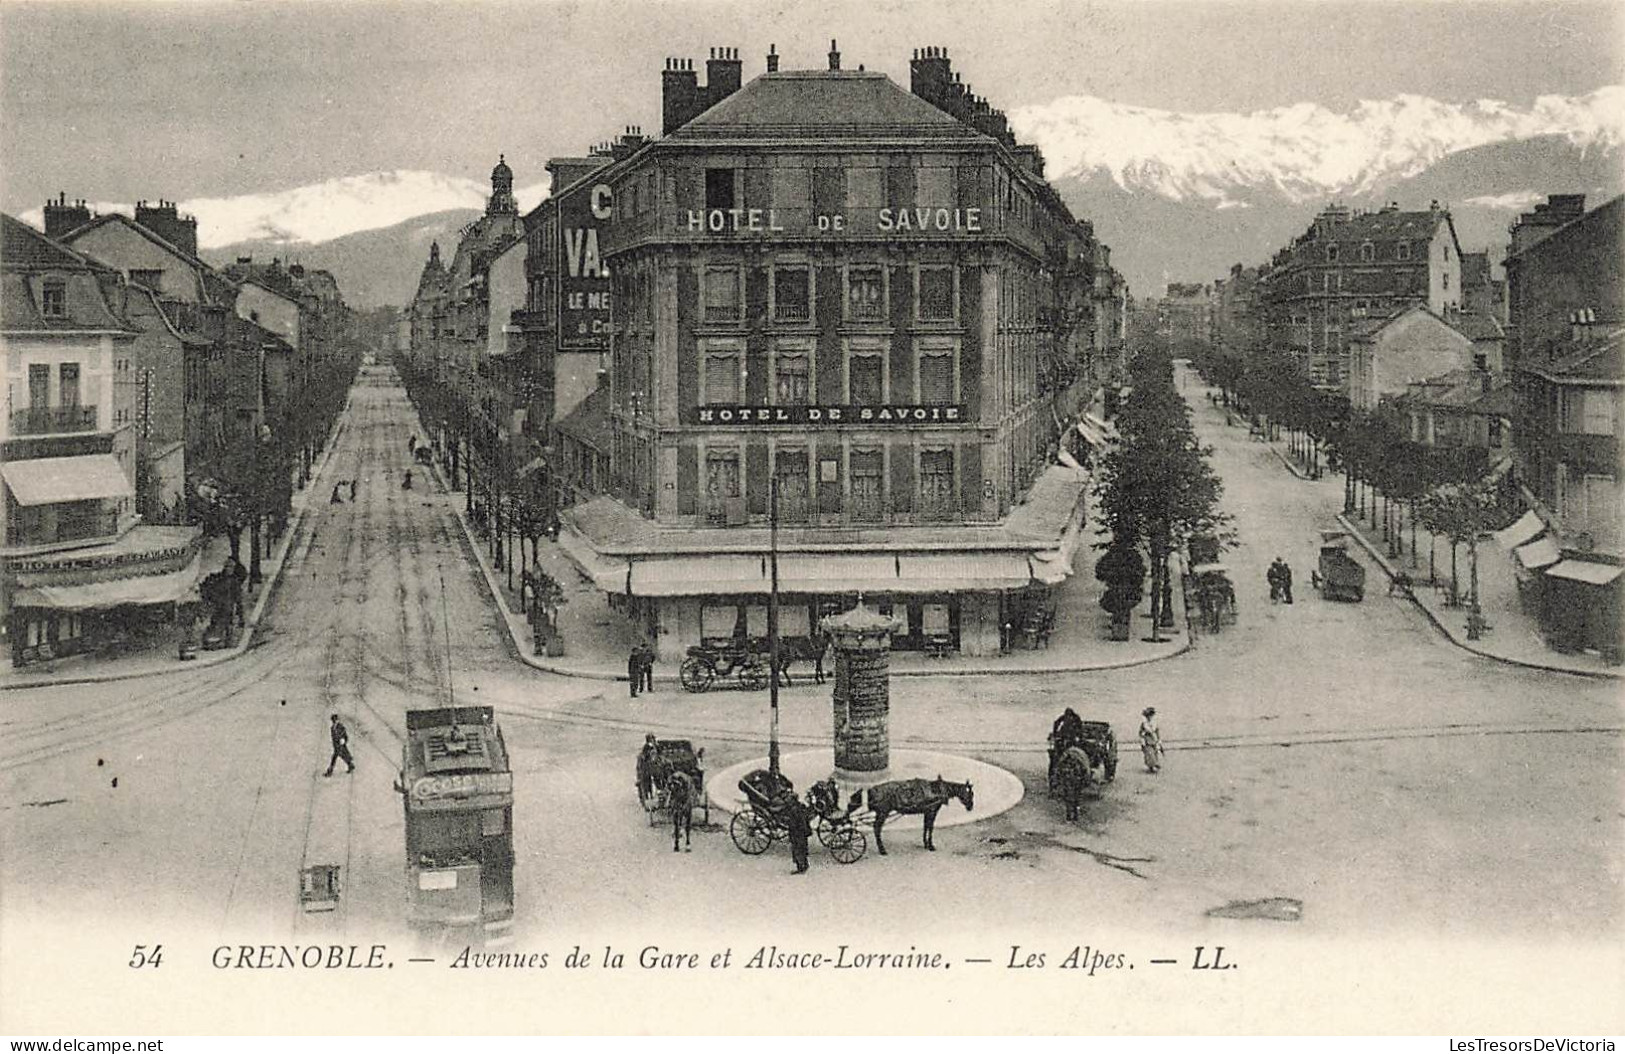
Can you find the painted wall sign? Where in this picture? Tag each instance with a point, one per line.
(890, 414)
(895, 221)
(584, 292)
(461, 785)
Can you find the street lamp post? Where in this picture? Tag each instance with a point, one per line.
(773, 622)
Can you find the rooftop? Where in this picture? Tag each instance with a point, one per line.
(827, 104)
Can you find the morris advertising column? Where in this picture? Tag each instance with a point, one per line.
(862, 640)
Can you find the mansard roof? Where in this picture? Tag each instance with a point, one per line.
(824, 104)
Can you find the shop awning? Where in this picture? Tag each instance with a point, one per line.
(1523, 531)
(686, 576)
(1538, 554)
(607, 573)
(166, 588)
(929, 572)
(837, 573)
(52, 480)
(1586, 571)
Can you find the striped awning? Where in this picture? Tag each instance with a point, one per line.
(607, 573)
(1524, 530)
(54, 480)
(1538, 554)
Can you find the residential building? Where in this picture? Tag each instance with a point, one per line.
(1461, 408)
(1187, 316)
(1387, 355)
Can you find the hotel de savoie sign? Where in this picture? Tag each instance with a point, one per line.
(887, 220)
(883, 415)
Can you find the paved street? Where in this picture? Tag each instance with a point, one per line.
(1341, 755)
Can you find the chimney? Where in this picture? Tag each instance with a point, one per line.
(772, 58)
(929, 75)
(679, 95)
(723, 73)
(61, 217)
(162, 220)
(834, 56)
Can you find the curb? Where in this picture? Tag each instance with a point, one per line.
(1438, 623)
(251, 620)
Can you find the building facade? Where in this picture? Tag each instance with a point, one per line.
(863, 310)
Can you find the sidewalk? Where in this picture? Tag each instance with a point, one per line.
(597, 639)
(163, 656)
(1511, 636)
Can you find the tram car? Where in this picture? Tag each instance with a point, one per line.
(458, 792)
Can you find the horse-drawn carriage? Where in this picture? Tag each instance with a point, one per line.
(764, 821)
(747, 661)
(1080, 760)
(1339, 576)
(671, 779)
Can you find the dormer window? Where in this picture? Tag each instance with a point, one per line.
(1403, 250)
(1331, 253)
(54, 298)
(1368, 252)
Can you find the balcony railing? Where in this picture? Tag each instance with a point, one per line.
(53, 420)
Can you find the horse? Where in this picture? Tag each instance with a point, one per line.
(915, 798)
(802, 649)
(680, 799)
(1075, 774)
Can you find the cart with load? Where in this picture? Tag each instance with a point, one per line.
(657, 761)
(1339, 576)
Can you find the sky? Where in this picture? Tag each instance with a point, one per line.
(122, 101)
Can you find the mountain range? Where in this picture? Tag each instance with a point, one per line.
(1178, 196)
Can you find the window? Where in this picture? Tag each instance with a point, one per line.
(722, 376)
(865, 195)
(792, 294)
(865, 379)
(936, 294)
(39, 386)
(54, 298)
(1600, 498)
(791, 372)
(68, 393)
(1402, 251)
(719, 188)
(936, 188)
(1331, 253)
(790, 469)
(1588, 412)
(937, 484)
(722, 295)
(1368, 252)
(721, 483)
(867, 471)
(937, 377)
(865, 293)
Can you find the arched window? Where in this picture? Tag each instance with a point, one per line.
(1331, 253)
(1368, 252)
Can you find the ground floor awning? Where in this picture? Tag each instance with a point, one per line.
(607, 573)
(1585, 571)
(723, 574)
(1538, 554)
(166, 588)
(953, 572)
(686, 576)
(837, 573)
(1524, 530)
(55, 480)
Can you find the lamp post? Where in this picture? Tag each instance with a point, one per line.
(773, 622)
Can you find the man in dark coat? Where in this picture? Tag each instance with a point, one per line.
(1273, 577)
(1286, 580)
(798, 821)
(634, 669)
(341, 745)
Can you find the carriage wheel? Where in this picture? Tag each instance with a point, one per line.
(847, 844)
(750, 832)
(753, 677)
(824, 830)
(705, 806)
(696, 674)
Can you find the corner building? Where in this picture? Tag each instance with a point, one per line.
(872, 296)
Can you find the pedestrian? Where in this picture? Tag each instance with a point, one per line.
(647, 662)
(412, 445)
(341, 745)
(336, 499)
(1273, 577)
(1286, 580)
(634, 669)
(352, 490)
(797, 820)
(1150, 740)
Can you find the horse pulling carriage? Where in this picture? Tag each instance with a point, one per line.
(671, 780)
(764, 820)
(746, 660)
(1081, 759)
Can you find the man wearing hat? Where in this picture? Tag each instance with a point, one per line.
(341, 745)
(1150, 740)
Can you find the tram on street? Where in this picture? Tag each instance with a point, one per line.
(458, 791)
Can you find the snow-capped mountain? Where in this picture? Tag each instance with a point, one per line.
(1302, 152)
(331, 209)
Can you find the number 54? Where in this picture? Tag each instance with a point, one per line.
(142, 957)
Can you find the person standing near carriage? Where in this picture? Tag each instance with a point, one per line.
(798, 821)
(1150, 739)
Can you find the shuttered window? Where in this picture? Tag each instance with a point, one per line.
(721, 377)
(866, 380)
(722, 295)
(791, 371)
(937, 378)
(790, 469)
(937, 484)
(867, 473)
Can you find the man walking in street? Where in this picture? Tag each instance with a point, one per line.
(646, 665)
(341, 745)
(634, 669)
(797, 820)
(1150, 740)
(1286, 579)
(1273, 577)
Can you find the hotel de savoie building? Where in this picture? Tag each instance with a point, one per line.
(871, 295)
